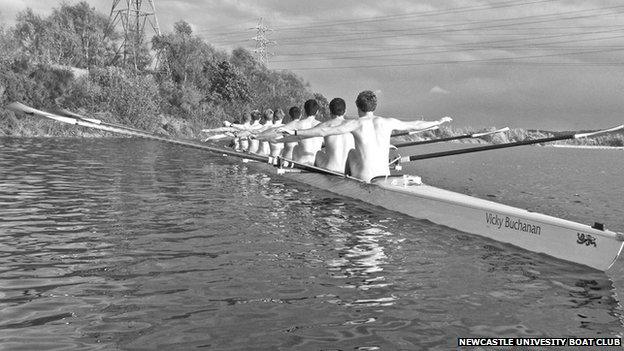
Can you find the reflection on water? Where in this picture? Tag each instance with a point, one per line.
(127, 244)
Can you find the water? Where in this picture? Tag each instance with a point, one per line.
(134, 245)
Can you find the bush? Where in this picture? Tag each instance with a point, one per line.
(40, 85)
(131, 97)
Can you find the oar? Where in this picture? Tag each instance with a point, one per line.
(506, 145)
(411, 132)
(288, 163)
(67, 113)
(19, 107)
(463, 136)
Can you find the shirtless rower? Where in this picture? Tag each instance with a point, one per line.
(276, 147)
(254, 144)
(267, 123)
(337, 147)
(240, 144)
(306, 149)
(371, 135)
(295, 114)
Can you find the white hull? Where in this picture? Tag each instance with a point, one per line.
(536, 232)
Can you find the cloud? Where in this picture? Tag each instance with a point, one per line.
(438, 90)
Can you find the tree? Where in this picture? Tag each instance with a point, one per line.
(229, 84)
(8, 48)
(245, 61)
(81, 37)
(31, 35)
(185, 56)
(73, 35)
(324, 113)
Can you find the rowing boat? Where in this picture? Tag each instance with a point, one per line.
(593, 246)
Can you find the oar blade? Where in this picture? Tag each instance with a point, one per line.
(502, 130)
(19, 107)
(603, 131)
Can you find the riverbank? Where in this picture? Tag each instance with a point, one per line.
(32, 127)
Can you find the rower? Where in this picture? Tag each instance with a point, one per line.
(337, 147)
(267, 123)
(295, 114)
(371, 135)
(254, 144)
(305, 151)
(276, 148)
(240, 144)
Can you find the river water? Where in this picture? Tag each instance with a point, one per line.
(124, 244)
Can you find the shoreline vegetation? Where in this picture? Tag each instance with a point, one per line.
(71, 60)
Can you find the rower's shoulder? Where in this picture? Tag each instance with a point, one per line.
(334, 122)
(380, 120)
(292, 124)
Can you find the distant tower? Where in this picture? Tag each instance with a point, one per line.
(262, 42)
(133, 15)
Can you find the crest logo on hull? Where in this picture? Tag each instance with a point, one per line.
(586, 239)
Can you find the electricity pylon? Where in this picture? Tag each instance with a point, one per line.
(133, 15)
(262, 42)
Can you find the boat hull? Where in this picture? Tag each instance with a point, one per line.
(560, 238)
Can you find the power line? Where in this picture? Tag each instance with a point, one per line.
(447, 28)
(502, 60)
(343, 23)
(421, 14)
(401, 16)
(476, 47)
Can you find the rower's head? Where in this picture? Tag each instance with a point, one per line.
(294, 112)
(337, 107)
(278, 115)
(366, 102)
(255, 115)
(246, 118)
(267, 116)
(311, 107)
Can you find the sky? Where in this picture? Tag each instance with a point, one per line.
(546, 64)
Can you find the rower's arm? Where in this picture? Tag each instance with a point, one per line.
(221, 130)
(239, 126)
(397, 124)
(265, 133)
(328, 128)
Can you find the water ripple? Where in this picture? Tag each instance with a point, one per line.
(127, 244)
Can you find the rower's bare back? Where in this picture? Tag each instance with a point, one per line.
(305, 151)
(337, 148)
(369, 159)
